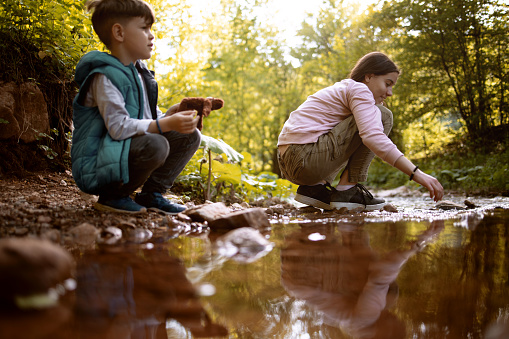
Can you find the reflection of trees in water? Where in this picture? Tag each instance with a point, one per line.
(345, 280)
(462, 289)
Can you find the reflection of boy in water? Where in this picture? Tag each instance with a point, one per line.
(344, 278)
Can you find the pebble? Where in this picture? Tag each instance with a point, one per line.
(390, 208)
(84, 234)
(43, 219)
(448, 205)
(31, 266)
(110, 235)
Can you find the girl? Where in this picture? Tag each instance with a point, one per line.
(342, 127)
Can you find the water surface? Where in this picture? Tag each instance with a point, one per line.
(418, 273)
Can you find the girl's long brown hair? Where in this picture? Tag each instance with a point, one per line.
(376, 63)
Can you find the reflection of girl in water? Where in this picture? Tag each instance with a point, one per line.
(342, 277)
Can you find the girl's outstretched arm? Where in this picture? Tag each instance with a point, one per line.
(436, 191)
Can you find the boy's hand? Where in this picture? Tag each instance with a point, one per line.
(183, 122)
(172, 110)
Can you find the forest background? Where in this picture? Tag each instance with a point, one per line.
(450, 105)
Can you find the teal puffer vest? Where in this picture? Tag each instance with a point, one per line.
(97, 159)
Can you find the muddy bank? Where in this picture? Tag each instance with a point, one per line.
(49, 205)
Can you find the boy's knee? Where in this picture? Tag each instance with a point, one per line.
(195, 139)
(151, 147)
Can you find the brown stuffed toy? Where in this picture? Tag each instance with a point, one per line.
(203, 105)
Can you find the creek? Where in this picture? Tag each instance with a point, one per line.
(417, 273)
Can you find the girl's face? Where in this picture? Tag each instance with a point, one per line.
(381, 85)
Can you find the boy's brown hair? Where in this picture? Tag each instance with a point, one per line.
(108, 12)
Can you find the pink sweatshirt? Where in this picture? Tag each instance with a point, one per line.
(326, 108)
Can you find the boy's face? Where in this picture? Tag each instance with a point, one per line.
(138, 39)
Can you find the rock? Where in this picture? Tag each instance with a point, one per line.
(309, 209)
(255, 217)
(126, 225)
(7, 109)
(278, 209)
(275, 210)
(342, 210)
(184, 217)
(139, 235)
(24, 107)
(244, 245)
(207, 212)
(448, 205)
(390, 208)
(87, 197)
(21, 231)
(43, 219)
(109, 236)
(236, 206)
(31, 266)
(357, 210)
(84, 234)
(470, 204)
(52, 235)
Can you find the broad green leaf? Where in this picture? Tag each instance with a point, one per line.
(220, 147)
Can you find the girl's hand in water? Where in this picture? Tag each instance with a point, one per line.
(436, 191)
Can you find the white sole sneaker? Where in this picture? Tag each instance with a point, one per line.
(351, 206)
(312, 202)
(348, 205)
(375, 207)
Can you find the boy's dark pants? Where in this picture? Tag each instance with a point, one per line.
(155, 161)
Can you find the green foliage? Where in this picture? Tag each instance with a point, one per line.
(382, 175)
(43, 143)
(453, 60)
(333, 41)
(246, 67)
(228, 175)
(453, 55)
(429, 134)
(474, 172)
(42, 38)
(460, 168)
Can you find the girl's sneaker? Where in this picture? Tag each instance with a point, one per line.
(357, 196)
(123, 205)
(317, 196)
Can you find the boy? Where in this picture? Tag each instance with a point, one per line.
(121, 139)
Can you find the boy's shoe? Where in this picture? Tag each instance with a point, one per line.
(123, 205)
(357, 196)
(156, 201)
(317, 196)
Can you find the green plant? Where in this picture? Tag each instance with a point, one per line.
(217, 171)
(48, 151)
(42, 38)
(382, 175)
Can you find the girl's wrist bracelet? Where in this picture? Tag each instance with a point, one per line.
(159, 126)
(413, 172)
